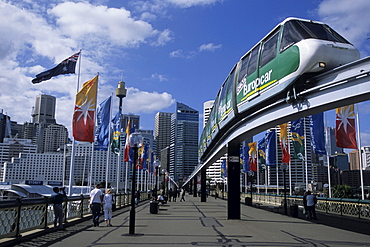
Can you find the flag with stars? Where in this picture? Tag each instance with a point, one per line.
(83, 121)
(345, 130)
(67, 66)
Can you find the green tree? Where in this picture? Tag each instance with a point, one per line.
(342, 191)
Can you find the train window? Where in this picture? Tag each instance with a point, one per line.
(323, 32)
(292, 33)
(230, 81)
(252, 65)
(269, 49)
(243, 68)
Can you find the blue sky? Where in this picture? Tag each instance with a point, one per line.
(165, 50)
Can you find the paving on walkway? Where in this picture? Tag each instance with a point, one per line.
(195, 223)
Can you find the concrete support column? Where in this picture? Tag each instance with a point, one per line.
(195, 183)
(203, 185)
(233, 180)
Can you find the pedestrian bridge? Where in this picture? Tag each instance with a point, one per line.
(195, 223)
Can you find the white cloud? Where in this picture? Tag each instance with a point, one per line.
(209, 47)
(146, 102)
(347, 17)
(190, 3)
(159, 77)
(101, 22)
(35, 36)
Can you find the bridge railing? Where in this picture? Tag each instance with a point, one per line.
(22, 215)
(340, 206)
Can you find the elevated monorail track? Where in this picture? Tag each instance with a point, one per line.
(344, 85)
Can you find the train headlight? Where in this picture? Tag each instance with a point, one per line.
(322, 65)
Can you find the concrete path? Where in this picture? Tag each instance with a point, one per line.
(195, 223)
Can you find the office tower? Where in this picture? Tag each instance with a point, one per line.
(13, 147)
(55, 136)
(162, 132)
(4, 126)
(134, 122)
(365, 151)
(183, 142)
(44, 111)
(207, 107)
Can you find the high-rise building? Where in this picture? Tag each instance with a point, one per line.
(207, 107)
(4, 126)
(162, 132)
(183, 142)
(55, 136)
(44, 111)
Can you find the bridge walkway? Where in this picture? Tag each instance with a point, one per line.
(195, 223)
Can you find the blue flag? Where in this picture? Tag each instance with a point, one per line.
(245, 158)
(102, 130)
(317, 133)
(261, 145)
(271, 148)
(223, 169)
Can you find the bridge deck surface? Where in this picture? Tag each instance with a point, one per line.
(195, 223)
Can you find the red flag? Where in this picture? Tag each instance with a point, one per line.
(345, 130)
(284, 143)
(83, 122)
(252, 156)
(126, 157)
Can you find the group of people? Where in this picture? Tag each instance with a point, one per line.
(173, 194)
(97, 199)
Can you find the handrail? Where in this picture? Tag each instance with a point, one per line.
(22, 215)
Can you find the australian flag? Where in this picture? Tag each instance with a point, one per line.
(68, 66)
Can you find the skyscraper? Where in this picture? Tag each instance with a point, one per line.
(183, 142)
(44, 111)
(162, 132)
(207, 107)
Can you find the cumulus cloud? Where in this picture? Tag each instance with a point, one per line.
(37, 35)
(159, 77)
(146, 102)
(346, 17)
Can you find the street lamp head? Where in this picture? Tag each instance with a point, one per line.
(121, 90)
(157, 163)
(135, 140)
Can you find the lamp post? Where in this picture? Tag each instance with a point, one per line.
(120, 93)
(157, 165)
(164, 173)
(135, 141)
(284, 167)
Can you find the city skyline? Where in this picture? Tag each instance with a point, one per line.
(153, 47)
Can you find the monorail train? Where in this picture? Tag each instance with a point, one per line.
(281, 63)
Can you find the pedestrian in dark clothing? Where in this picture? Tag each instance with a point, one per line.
(175, 194)
(137, 197)
(57, 199)
(170, 194)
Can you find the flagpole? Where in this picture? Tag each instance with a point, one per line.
(305, 152)
(91, 164)
(359, 151)
(71, 167)
(258, 171)
(290, 167)
(277, 166)
(328, 152)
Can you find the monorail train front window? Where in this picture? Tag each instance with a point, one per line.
(294, 31)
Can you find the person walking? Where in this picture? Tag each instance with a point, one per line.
(182, 195)
(137, 197)
(311, 204)
(96, 199)
(108, 205)
(57, 199)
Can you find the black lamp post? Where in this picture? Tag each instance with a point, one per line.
(136, 141)
(284, 167)
(120, 93)
(157, 165)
